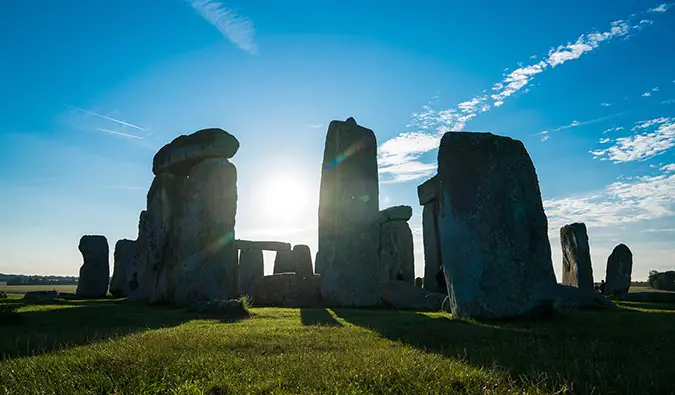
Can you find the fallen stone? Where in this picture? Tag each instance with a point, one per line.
(184, 152)
(577, 270)
(302, 258)
(348, 214)
(495, 249)
(125, 250)
(40, 296)
(406, 296)
(287, 290)
(568, 297)
(396, 213)
(251, 266)
(262, 245)
(619, 270)
(95, 271)
(397, 259)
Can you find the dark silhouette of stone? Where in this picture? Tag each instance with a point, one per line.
(427, 194)
(348, 216)
(287, 290)
(406, 296)
(619, 270)
(184, 152)
(206, 258)
(428, 190)
(40, 296)
(493, 230)
(419, 282)
(262, 245)
(284, 262)
(396, 213)
(396, 256)
(95, 271)
(251, 266)
(302, 258)
(577, 270)
(125, 250)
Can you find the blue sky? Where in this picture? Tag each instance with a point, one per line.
(91, 90)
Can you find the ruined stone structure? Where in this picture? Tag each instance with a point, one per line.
(125, 250)
(303, 260)
(284, 262)
(619, 270)
(576, 253)
(495, 248)
(95, 271)
(349, 229)
(287, 290)
(396, 256)
(185, 247)
(251, 266)
(434, 278)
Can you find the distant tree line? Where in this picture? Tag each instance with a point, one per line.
(662, 280)
(20, 279)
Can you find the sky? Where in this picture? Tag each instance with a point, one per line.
(91, 90)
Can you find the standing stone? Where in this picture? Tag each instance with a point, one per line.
(284, 262)
(184, 152)
(397, 260)
(432, 250)
(348, 216)
(577, 269)
(619, 269)
(95, 271)
(251, 266)
(419, 282)
(493, 230)
(137, 270)
(206, 256)
(125, 250)
(303, 260)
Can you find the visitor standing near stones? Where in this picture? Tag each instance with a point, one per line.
(576, 254)
(619, 270)
(95, 271)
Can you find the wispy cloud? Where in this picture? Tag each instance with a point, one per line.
(315, 125)
(614, 129)
(646, 94)
(236, 28)
(434, 123)
(575, 124)
(131, 125)
(669, 101)
(659, 230)
(124, 187)
(655, 89)
(605, 104)
(122, 134)
(644, 144)
(661, 8)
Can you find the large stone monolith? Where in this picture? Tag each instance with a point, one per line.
(284, 262)
(125, 250)
(427, 193)
(576, 253)
(185, 151)
(619, 270)
(397, 259)
(251, 266)
(206, 256)
(348, 216)
(303, 260)
(95, 271)
(493, 230)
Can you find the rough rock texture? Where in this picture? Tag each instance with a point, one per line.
(396, 213)
(262, 245)
(303, 260)
(493, 230)
(184, 152)
(567, 297)
(619, 270)
(419, 282)
(406, 296)
(251, 266)
(287, 290)
(577, 270)
(125, 250)
(348, 216)
(95, 271)
(397, 259)
(428, 190)
(432, 250)
(206, 257)
(284, 262)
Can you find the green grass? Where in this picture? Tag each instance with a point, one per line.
(107, 346)
(21, 289)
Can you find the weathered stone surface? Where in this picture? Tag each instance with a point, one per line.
(262, 245)
(206, 257)
(303, 260)
(251, 266)
(40, 296)
(287, 290)
(428, 190)
(406, 296)
(576, 252)
(348, 213)
(95, 271)
(493, 230)
(284, 262)
(432, 251)
(419, 282)
(137, 272)
(180, 155)
(396, 213)
(125, 250)
(619, 270)
(397, 259)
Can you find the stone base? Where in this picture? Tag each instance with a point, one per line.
(405, 296)
(287, 290)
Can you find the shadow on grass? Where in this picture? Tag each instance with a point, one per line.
(586, 351)
(57, 325)
(318, 316)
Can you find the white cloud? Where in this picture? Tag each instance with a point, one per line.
(668, 168)
(606, 104)
(646, 94)
(604, 141)
(121, 134)
(398, 158)
(658, 230)
(575, 123)
(642, 145)
(669, 101)
(315, 125)
(614, 129)
(661, 8)
(655, 89)
(107, 118)
(236, 28)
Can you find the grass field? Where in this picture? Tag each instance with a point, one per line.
(111, 346)
(20, 289)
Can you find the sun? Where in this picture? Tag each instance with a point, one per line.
(286, 198)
